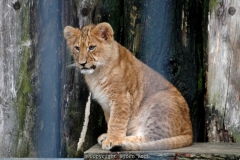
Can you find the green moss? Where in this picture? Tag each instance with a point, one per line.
(24, 88)
(213, 4)
(236, 136)
(23, 100)
(100, 120)
(24, 151)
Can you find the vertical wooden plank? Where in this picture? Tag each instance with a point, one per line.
(223, 89)
(49, 55)
(7, 90)
(17, 109)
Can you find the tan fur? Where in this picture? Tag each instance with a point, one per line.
(143, 110)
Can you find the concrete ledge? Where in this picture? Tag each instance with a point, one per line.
(196, 151)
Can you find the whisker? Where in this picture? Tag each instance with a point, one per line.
(99, 63)
(71, 65)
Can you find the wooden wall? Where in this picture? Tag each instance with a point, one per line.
(223, 73)
(16, 91)
(194, 44)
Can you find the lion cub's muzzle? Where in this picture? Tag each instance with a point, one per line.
(86, 70)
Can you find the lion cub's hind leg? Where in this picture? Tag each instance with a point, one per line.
(158, 123)
(167, 125)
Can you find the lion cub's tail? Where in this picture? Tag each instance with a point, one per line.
(168, 143)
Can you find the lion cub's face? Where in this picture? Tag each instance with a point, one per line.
(90, 46)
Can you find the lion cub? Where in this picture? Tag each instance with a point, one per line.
(142, 109)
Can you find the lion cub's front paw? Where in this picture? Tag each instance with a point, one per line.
(101, 138)
(108, 143)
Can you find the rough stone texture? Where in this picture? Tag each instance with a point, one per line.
(223, 87)
(217, 151)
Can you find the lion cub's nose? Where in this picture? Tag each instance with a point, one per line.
(83, 64)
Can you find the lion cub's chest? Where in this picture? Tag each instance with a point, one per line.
(100, 94)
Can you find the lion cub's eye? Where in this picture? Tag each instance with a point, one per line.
(77, 48)
(91, 48)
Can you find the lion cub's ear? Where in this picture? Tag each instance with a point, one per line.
(70, 34)
(104, 31)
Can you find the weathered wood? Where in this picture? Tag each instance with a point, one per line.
(196, 151)
(223, 87)
(17, 111)
(164, 34)
(49, 56)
